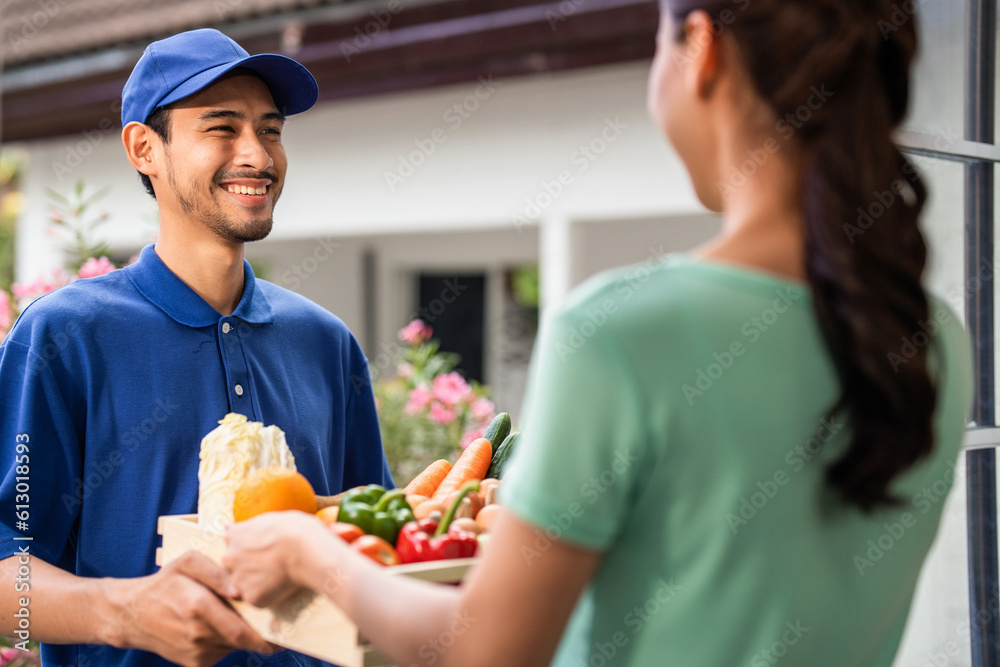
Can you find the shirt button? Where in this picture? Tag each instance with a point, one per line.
(239, 390)
(225, 327)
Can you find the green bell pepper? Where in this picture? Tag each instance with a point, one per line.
(384, 516)
(368, 495)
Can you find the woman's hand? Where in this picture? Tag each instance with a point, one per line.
(269, 556)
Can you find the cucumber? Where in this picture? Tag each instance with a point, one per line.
(498, 430)
(500, 458)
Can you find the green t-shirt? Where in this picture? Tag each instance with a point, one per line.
(675, 419)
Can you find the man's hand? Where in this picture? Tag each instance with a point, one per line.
(178, 614)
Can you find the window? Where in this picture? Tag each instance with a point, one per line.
(459, 324)
(951, 131)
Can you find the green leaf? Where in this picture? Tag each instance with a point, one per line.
(52, 194)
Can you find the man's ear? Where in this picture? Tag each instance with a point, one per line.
(140, 143)
(704, 48)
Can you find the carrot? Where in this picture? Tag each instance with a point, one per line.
(426, 483)
(471, 465)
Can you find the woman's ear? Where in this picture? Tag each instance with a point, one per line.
(138, 140)
(703, 54)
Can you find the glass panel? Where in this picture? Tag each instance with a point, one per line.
(944, 230)
(937, 104)
(937, 630)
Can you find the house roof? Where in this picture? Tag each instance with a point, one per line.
(354, 48)
(37, 31)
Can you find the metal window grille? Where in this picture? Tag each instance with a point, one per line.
(978, 154)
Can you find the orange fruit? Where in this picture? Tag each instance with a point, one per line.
(328, 515)
(273, 489)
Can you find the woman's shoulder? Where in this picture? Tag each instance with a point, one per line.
(674, 288)
(623, 286)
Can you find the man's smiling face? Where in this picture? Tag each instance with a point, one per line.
(224, 162)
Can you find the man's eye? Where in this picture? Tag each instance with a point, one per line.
(223, 128)
(272, 130)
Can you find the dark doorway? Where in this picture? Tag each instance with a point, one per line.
(454, 306)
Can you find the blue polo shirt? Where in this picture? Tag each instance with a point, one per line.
(109, 385)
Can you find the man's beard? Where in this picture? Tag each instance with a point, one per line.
(230, 230)
(225, 227)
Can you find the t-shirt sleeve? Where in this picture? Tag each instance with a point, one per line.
(575, 472)
(40, 460)
(364, 458)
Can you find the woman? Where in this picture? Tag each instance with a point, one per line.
(729, 469)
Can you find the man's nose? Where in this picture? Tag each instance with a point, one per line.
(252, 152)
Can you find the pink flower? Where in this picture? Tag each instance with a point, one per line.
(452, 389)
(441, 415)
(8, 655)
(96, 267)
(482, 409)
(420, 398)
(404, 370)
(6, 312)
(415, 333)
(470, 435)
(44, 284)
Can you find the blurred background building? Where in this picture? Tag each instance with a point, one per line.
(462, 148)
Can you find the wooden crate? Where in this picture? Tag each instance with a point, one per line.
(308, 623)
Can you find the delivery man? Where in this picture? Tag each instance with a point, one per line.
(109, 384)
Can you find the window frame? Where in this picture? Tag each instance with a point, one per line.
(978, 152)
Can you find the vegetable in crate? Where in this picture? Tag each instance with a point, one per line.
(487, 517)
(229, 454)
(471, 466)
(368, 495)
(468, 507)
(376, 511)
(345, 531)
(502, 455)
(427, 539)
(488, 490)
(498, 430)
(427, 482)
(377, 549)
(328, 515)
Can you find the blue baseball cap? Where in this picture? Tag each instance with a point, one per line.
(178, 66)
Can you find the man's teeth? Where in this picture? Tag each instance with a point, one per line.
(244, 190)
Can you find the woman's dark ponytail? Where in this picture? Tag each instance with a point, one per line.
(843, 85)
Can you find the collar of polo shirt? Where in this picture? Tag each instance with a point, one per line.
(170, 294)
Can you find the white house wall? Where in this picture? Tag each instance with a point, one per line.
(491, 159)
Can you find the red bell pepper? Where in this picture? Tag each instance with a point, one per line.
(427, 539)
